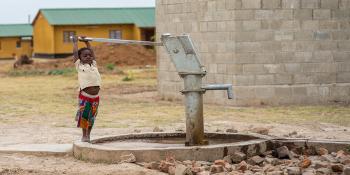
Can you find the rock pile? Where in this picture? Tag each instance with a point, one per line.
(280, 161)
(24, 59)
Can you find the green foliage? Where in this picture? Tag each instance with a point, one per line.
(129, 76)
(65, 71)
(17, 73)
(348, 149)
(110, 66)
(35, 72)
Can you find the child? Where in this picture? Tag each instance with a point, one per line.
(89, 87)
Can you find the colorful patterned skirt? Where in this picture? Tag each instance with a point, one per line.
(87, 111)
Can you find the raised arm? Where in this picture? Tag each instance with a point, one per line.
(75, 48)
(88, 45)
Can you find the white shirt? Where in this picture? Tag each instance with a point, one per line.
(88, 75)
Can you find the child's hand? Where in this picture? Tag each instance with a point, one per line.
(83, 39)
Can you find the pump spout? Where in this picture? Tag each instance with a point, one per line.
(227, 87)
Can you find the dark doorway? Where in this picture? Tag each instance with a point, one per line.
(147, 34)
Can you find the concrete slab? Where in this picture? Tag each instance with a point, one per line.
(143, 147)
(39, 149)
(147, 147)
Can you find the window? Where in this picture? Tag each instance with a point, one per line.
(18, 44)
(67, 35)
(115, 34)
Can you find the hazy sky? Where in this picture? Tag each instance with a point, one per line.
(17, 11)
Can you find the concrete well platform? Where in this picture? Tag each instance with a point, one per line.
(156, 146)
(38, 149)
(149, 147)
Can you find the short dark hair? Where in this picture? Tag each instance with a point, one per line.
(81, 50)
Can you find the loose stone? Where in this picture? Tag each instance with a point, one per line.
(305, 163)
(319, 164)
(293, 171)
(203, 173)
(328, 158)
(182, 170)
(228, 159)
(275, 173)
(325, 171)
(129, 158)
(322, 151)
(337, 167)
(171, 170)
(347, 171)
(272, 161)
(217, 169)
(238, 157)
(164, 166)
(256, 160)
(220, 162)
(243, 166)
(283, 152)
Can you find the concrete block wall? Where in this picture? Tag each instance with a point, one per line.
(274, 52)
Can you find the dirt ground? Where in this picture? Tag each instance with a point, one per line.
(17, 164)
(107, 55)
(40, 109)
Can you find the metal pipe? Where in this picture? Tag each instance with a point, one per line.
(194, 110)
(227, 87)
(120, 41)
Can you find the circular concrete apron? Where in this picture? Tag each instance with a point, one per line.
(149, 147)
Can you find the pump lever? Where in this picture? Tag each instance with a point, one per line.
(121, 41)
(227, 87)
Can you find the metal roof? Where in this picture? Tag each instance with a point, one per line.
(142, 17)
(16, 30)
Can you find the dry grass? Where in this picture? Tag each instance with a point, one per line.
(339, 115)
(35, 99)
(51, 100)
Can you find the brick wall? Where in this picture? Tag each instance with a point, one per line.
(273, 51)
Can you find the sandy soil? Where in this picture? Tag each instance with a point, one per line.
(18, 164)
(36, 134)
(25, 164)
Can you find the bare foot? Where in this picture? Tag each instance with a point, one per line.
(85, 139)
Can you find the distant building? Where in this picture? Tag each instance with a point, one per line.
(15, 39)
(53, 27)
